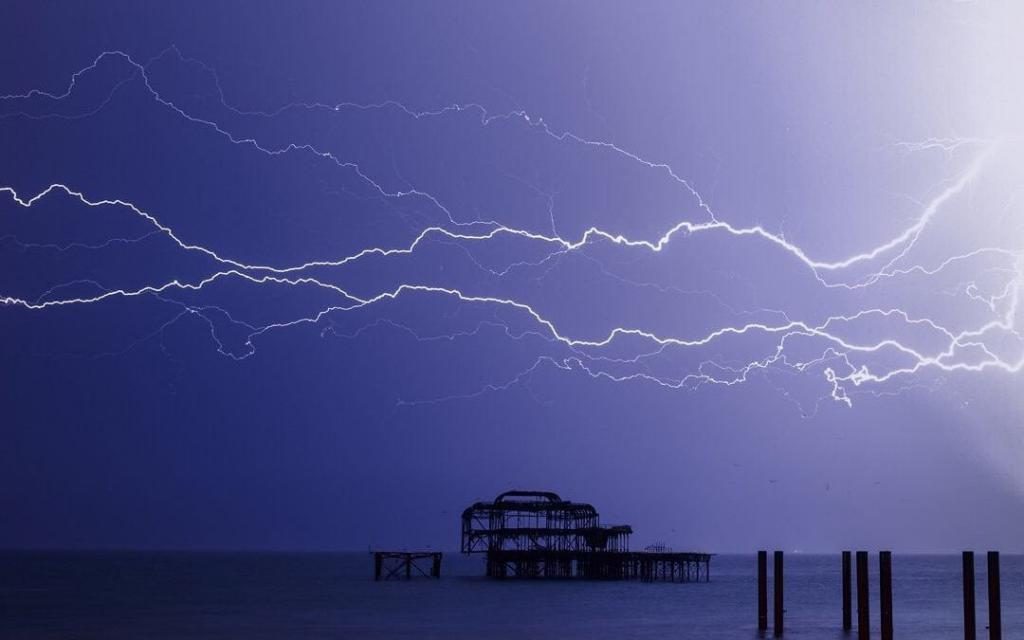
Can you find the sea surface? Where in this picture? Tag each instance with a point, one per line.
(141, 595)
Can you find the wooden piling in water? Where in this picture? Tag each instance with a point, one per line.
(847, 592)
(780, 610)
(762, 591)
(885, 592)
(969, 621)
(863, 611)
(995, 618)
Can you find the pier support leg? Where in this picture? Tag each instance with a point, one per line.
(378, 563)
(863, 611)
(969, 623)
(847, 591)
(885, 592)
(762, 591)
(780, 610)
(995, 617)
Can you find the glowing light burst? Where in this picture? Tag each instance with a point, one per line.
(884, 361)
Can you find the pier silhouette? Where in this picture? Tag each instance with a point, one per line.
(537, 534)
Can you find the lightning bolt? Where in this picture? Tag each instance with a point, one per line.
(622, 354)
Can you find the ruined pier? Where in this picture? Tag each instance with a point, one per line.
(537, 534)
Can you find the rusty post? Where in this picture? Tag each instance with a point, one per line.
(762, 591)
(885, 592)
(970, 626)
(995, 617)
(863, 610)
(780, 610)
(847, 592)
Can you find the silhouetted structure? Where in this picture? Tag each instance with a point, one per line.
(970, 628)
(780, 608)
(537, 534)
(847, 592)
(885, 592)
(885, 599)
(762, 591)
(995, 615)
(863, 600)
(398, 565)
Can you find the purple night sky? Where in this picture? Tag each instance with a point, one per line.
(318, 275)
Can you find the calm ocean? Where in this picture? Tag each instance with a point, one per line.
(276, 595)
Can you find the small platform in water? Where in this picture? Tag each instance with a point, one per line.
(405, 565)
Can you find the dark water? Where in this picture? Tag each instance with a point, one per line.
(243, 595)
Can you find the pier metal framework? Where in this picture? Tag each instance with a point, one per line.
(399, 565)
(537, 534)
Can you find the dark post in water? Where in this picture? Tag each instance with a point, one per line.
(995, 618)
(762, 590)
(847, 592)
(779, 610)
(969, 624)
(863, 613)
(885, 592)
